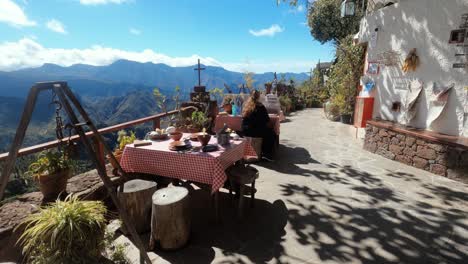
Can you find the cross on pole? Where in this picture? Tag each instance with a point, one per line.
(199, 69)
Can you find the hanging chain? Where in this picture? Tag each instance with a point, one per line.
(58, 119)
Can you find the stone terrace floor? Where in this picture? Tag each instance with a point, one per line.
(325, 200)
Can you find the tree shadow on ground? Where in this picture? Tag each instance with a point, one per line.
(256, 238)
(371, 223)
(288, 159)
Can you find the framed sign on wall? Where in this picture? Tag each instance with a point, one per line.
(373, 67)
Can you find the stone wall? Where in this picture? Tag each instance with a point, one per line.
(440, 159)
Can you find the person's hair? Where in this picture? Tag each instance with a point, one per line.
(249, 106)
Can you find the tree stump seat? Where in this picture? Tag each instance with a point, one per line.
(170, 218)
(239, 177)
(135, 198)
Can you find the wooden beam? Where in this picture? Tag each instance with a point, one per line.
(19, 138)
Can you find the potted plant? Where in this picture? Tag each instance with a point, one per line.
(227, 103)
(123, 139)
(345, 108)
(204, 137)
(69, 231)
(198, 121)
(51, 170)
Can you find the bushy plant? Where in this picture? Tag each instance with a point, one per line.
(124, 138)
(69, 231)
(286, 103)
(49, 163)
(199, 119)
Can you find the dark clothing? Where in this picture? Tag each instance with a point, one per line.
(256, 125)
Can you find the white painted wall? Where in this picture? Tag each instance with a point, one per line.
(424, 25)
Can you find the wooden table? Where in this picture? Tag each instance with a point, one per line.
(195, 166)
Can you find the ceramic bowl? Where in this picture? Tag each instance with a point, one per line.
(176, 136)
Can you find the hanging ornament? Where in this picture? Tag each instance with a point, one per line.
(411, 61)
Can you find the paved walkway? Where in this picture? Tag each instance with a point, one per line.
(325, 200)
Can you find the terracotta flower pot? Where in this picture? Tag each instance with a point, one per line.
(51, 185)
(176, 136)
(118, 156)
(204, 139)
(228, 108)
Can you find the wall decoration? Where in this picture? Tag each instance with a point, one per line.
(373, 38)
(460, 65)
(412, 98)
(396, 106)
(373, 67)
(437, 106)
(411, 61)
(457, 36)
(389, 58)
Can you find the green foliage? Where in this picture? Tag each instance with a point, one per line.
(69, 231)
(286, 103)
(124, 138)
(49, 163)
(249, 80)
(161, 100)
(199, 119)
(217, 93)
(345, 73)
(326, 23)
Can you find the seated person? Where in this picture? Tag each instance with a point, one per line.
(255, 122)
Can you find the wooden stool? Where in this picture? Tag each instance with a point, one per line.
(170, 218)
(136, 200)
(242, 175)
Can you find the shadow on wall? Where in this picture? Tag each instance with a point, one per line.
(375, 224)
(424, 25)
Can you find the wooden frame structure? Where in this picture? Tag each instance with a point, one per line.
(68, 99)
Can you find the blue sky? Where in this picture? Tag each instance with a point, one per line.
(239, 35)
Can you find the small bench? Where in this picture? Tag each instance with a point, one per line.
(241, 176)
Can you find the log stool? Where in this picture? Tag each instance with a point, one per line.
(240, 175)
(136, 199)
(170, 218)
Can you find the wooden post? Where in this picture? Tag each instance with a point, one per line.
(19, 137)
(99, 149)
(156, 123)
(170, 218)
(136, 199)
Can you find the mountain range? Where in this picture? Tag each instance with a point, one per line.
(112, 94)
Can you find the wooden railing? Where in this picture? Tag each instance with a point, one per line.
(156, 119)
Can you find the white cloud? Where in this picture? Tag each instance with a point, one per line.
(27, 53)
(12, 14)
(297, 9)
(56, 26)
(304, 23)
(270, 32)
(135, 31)
(102, 2)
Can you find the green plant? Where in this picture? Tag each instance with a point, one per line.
(69, 231)
(199, 120)
(124, 138)
(228, 99)
(286, 103)
(49, 163)
(217, 94)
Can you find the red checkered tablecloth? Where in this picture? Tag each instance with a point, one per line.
(208, 168)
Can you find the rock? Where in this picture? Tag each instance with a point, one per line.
(385, 153)
(421, 142)
(409, 152)
(383, 133)
(452, 158)
(391, 133)
(437, 147)
(401, 137)
(410, 141)
(442, 159)
(386, 140)
(375, 129)
(372, 147)
(395, 141)
(438, 169)
(426, 153)
(404, 159)
(395, 149)
(382, 145)
(420, 163)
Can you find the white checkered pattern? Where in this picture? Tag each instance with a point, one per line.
(208, 168)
